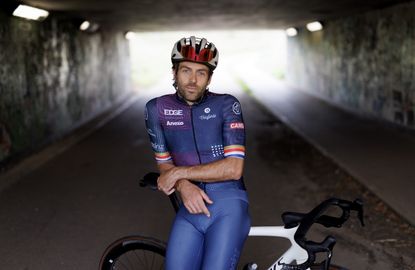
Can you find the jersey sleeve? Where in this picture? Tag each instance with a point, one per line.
(233, 128)
(155, 132)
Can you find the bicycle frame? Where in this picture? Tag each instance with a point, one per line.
(294, 253)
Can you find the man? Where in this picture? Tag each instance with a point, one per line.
(198, 138)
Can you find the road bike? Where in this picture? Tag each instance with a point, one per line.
(145, 253)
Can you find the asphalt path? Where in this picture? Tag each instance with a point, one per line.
(65, 212)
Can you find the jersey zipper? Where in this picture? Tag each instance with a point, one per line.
(194, 134)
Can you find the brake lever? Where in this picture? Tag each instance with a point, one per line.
(346, 207)
(149, 180)
(358, 206)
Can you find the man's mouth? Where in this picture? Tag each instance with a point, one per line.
(191, 87)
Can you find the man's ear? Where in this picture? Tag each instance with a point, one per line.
(174, 70)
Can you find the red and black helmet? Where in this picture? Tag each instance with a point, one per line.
(197, 50)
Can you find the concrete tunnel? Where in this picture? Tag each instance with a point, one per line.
(55, 78)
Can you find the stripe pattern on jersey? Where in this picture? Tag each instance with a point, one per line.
(162, 157)
(234, 151)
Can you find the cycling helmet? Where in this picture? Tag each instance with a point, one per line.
(197, 50)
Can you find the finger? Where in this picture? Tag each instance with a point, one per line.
(159, 185)
(202, 208)
(190, 208)
(167, 191)
(205, 210)
(171, 191)
(206, 197)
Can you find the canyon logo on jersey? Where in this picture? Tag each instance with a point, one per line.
(237, 125)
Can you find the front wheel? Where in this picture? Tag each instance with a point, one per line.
(134, 253)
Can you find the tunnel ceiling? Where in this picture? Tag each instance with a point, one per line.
(152, 15)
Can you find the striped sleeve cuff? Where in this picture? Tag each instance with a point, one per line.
(234, 151)
(162, 157)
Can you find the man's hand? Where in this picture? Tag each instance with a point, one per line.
(167, 180)
(194, 198)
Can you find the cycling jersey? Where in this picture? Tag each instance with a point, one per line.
(209, 130)
(189, 135)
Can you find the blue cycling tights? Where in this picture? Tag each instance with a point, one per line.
(210, 243)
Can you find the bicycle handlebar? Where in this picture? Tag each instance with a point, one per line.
(305, 221)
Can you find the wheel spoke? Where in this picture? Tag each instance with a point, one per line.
(145, 257)
(135, 254)
(139, 260)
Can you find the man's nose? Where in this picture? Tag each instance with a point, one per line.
(192, 77)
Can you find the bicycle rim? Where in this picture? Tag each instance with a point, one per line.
(134, 253)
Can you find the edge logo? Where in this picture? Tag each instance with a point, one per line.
(173, 112)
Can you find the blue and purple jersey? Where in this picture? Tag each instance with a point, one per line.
(209, 130)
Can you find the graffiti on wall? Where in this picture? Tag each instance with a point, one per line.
(403, 108)
(54, 78)
(362, 62)
(5, 142)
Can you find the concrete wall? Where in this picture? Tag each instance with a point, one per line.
(53, 78)
(365, 63)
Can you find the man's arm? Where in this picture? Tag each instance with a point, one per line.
(164, 167)
(230, 168)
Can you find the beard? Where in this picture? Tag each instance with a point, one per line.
(191, 92)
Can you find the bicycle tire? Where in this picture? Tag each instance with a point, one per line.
(331, 267)
(134, 253)
(337, 267)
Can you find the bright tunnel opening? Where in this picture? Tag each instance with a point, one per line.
(239, 51)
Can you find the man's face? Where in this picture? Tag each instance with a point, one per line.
(192, 80)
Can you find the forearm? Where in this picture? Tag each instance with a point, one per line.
(177, 176)
(226, 169)
(163, 167)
